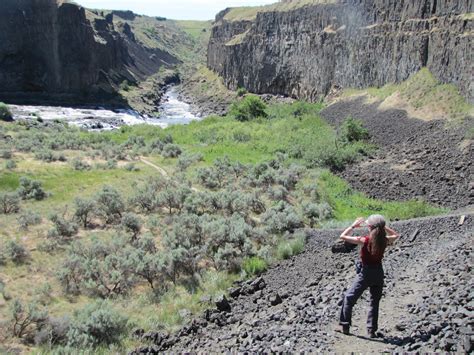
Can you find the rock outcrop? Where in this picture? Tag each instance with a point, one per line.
(60, 52)
(306, 51)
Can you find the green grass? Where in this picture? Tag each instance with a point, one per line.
(254, 266)
(348, 204)
(288, 248)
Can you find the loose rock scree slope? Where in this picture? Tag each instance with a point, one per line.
(431, 160)
(427, 303)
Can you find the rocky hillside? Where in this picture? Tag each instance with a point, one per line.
(303, 48)
(56, 51)
(427, 303)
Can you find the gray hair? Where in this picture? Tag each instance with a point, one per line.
(376, 220)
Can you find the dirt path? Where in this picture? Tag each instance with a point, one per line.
(427, 305)
(162, 171)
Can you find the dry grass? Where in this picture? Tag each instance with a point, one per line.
(421, 96)
(250, 13)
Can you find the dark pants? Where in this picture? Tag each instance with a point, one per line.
(371, 278)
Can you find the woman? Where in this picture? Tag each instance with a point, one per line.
(370, 274)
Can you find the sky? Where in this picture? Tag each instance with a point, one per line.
(172, 9)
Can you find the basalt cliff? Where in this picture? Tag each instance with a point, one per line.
(57, 51)
(304, 51)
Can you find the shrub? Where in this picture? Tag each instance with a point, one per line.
(353, 131)
(317, 212)
(132, 224)
(171, 151)
(241, 91)
(186, 160)
(95, 325)
(281, 218)
(26, 319)
(27, 219)
(249, 108)
(30, 189)
(53, 331)
(9, 203)
(10, 164)
(100, 268)
(5, 113)
(110, 204)
(49, 156)
(63, 229)
(16, 252)
(131, 167)
(85, 209)
(6, 154)
(254, 266)
(79, 164)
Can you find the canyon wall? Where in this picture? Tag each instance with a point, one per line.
(306, 51)
(60, 52)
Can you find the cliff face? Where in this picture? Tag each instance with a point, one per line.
(348, 43)
(63, 52)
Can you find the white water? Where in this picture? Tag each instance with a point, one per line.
(172, 112)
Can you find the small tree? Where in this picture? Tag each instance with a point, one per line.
(63, 229)
(9, 203)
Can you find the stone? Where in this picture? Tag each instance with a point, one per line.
(222, 304)
(275, 299)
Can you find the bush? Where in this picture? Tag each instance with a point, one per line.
(49, 156)
(16, 252)
(132, 224)
(26, 319)
(110, 204)
(30, 189)
(131, 167)
(171, 151)
(9, 203)
(63, 229)
(6, 154)
(249, 108)
(5, 113)
(100, 268)
(254, 266)
(85, 209)
(95, 325)
(353, 131)
(317, 212)
(241, 91)
(281, 218)
(79, 164)
(53, 332)
(10, 165)
(27, 219)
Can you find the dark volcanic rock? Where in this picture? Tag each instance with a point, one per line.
(429, 160)
(305, 52)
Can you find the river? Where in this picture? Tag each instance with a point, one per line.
(172, 111)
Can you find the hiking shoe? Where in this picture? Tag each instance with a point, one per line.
(345, 329)
(374, 334)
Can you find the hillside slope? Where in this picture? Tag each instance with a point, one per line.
(59, 52)
(427, 305)
(304, 48)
